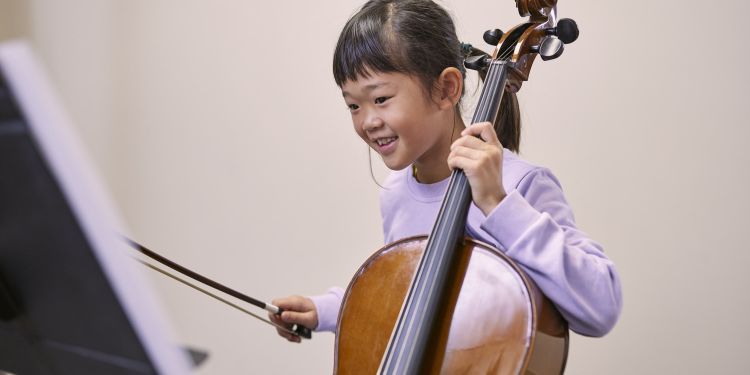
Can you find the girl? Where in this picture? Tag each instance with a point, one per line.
(399, 67)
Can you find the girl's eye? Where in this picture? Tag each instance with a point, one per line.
(352, 107)
(381, 100)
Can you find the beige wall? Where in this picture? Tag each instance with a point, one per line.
(224, 139)
(14, 16)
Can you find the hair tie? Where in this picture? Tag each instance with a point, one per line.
(466, 48)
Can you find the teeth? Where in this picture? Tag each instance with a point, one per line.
(385, 141)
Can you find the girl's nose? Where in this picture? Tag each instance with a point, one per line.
(372, 122)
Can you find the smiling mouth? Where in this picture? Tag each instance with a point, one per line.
(385, 141)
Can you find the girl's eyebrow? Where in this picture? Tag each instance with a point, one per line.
(368, 88)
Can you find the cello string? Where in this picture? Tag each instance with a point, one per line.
(165, 273)
(508, 52)
(483, 100)
(452, 203)
(421, 291)
(434, 261)
(482, 108)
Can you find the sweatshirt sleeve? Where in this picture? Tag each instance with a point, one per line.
(535, 226)
(327, 305)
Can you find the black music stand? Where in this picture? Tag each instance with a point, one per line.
(71, 300)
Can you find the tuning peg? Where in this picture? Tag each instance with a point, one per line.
(550, 48)
(478, 62)
(566, 30)
(493, 36)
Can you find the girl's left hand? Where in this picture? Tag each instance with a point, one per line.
(481, 160)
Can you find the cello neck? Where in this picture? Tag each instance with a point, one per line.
(418, 321)
(492, 92)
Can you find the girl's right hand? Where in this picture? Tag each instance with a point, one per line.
(297, 310)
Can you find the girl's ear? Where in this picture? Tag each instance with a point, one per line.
(450, 85)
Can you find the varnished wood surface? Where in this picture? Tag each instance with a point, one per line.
(493, 329)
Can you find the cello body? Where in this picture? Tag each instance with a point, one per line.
(503, 326)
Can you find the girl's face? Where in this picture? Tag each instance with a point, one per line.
(394, 115)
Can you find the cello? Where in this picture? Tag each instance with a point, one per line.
(403, 311)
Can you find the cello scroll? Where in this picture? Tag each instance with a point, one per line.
(543, 34)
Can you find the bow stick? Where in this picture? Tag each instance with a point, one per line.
(297, 329)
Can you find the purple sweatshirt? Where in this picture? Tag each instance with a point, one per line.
(533, 225)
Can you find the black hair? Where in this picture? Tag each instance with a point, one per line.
(413, 37)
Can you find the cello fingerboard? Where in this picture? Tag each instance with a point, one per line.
(417, 325)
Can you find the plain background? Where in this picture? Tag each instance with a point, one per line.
(225, 142)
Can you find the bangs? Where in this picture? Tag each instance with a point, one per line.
(364, 47)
